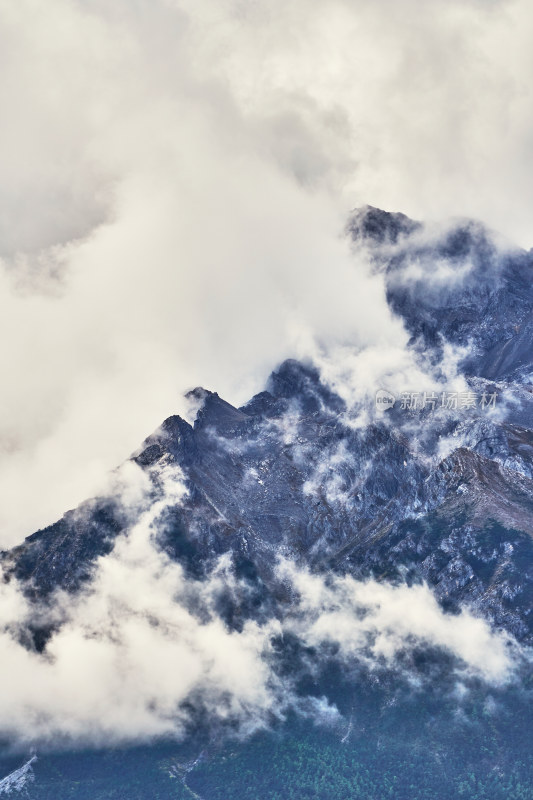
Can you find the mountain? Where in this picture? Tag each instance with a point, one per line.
(459, 285)
(436, 491)
(288, 472)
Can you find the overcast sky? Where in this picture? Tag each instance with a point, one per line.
(174, 179)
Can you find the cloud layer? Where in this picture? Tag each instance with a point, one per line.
(143, 648)
(177, 180)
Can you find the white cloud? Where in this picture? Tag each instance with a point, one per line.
(177, 178)
(370, 621)
(130, 650)
(143, 641)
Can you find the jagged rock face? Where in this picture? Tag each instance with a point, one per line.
(19, 781)
(288, 474)
(458, 286)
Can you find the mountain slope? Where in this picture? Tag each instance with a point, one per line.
(289, 473)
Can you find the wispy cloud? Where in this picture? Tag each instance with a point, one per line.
(143, 647)
(177, 178)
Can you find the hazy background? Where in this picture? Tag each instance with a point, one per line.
(174, 180)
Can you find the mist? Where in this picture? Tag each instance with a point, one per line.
(142, 650)
(175, 189)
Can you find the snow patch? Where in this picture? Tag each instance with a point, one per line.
(19, 779)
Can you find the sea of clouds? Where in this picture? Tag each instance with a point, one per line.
(174, 187)
(175, 183)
